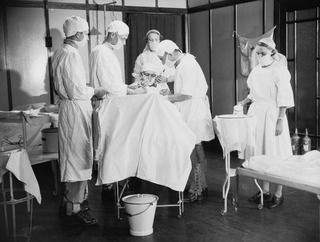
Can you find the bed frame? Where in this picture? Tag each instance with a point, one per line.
(274, 179)
(119, 195)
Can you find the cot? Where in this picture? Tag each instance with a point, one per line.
(300, 172)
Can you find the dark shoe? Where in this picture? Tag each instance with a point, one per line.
(205, 192)
(191, 197)
(84, 206)
(83, 218)
(200, 197)
(256, 198)
(275, 202)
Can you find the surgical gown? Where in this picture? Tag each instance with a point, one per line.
(106, 71)
(190, 80)
(75, 134)
(270, 89)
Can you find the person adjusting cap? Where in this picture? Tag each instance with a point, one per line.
(74, 24)
(269, 42)
(119, 27)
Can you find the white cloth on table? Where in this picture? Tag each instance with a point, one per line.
(18, 164)
(144, 136)
(300, 168)
(236, 132)
(190, 80)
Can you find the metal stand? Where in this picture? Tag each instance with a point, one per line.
(226, 185)
(119, 194)
(12, 202)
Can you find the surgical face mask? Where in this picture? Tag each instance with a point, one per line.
(118, 45)
(153, 45)
(264, 60)
(169, 62)
(83, 42)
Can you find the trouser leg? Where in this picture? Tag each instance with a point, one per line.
(266, 187)
(74, 194)
(195, 175)
(203, 165)
(278, 192)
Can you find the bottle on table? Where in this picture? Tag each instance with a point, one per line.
(306, 143)
(295, 142)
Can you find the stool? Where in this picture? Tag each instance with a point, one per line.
(8, 196)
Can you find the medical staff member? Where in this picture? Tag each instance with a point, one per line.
(106, 72)
(149, 56)
(271, 94)
(190, 97)
(75, 139)
(104, 64)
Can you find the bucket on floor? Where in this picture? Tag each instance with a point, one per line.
(140, 209)
(50, 140)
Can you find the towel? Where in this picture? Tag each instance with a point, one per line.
(19, 165)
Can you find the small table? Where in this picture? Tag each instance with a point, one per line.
(17, 163)
(235, 132)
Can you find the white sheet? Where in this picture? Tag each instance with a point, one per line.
(144, 136)
(19, 164)
(236, 132)
(302, 168)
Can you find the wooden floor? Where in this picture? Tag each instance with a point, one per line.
(296, 221)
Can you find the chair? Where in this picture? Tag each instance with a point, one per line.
(9, 197)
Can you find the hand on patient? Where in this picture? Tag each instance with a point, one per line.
(279, 127)
(164, 92)
(161, 79)
(100, 92)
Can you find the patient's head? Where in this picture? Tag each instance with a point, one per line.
(148, 74)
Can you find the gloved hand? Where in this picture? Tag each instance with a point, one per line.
(100, 92)
(238, 109)
(164, 92)
(161, 79)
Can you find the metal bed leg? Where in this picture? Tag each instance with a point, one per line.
(226, 184)
(117, 198)
(5, 207)
(181, 204)
(31, 219)
(236, 196)
(13, 209)
(260, 206)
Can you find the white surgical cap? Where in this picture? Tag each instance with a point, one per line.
(149, 67)
(269, 42)
(166, 46)
(74, 24)
(119, 27)
(153, 31)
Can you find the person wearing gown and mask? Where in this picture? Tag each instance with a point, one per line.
(106, 72)
(149, 56)
(190, 97)
(270, 96)
(75, 110)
